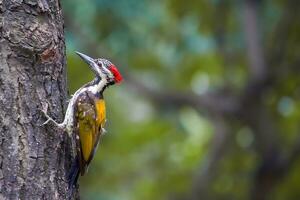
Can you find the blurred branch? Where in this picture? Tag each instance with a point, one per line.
(255, 115)
(211, 103)
(253, 44)
(252, 108)
(274, 165)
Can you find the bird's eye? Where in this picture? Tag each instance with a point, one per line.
(99, 64)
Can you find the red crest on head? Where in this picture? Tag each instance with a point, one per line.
(116, 73)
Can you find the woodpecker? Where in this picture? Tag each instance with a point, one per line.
(86, 114)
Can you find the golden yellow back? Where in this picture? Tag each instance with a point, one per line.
(90, 118)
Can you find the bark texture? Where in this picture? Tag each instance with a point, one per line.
(34, 159)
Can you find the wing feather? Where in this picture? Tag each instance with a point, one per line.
(90, 118)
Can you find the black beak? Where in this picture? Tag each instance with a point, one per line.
(89, 61)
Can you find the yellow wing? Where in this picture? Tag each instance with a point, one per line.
(90, 121)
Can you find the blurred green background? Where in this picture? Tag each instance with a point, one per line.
(209, 105)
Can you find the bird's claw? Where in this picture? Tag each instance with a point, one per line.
(46, 122)
(44, 110)
(103, 130)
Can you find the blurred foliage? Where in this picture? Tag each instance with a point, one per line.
(152, 151)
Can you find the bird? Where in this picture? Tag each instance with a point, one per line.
(86, 114)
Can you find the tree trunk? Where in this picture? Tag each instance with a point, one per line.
(34, 159)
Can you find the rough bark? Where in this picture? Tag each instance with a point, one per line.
(34, 159)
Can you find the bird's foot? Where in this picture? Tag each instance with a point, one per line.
(49, 119)
(103, 130)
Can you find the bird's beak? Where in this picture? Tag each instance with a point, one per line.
(89, 61)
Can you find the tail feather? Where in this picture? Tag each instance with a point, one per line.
(74, 174)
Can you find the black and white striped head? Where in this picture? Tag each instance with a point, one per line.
(103, 68)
